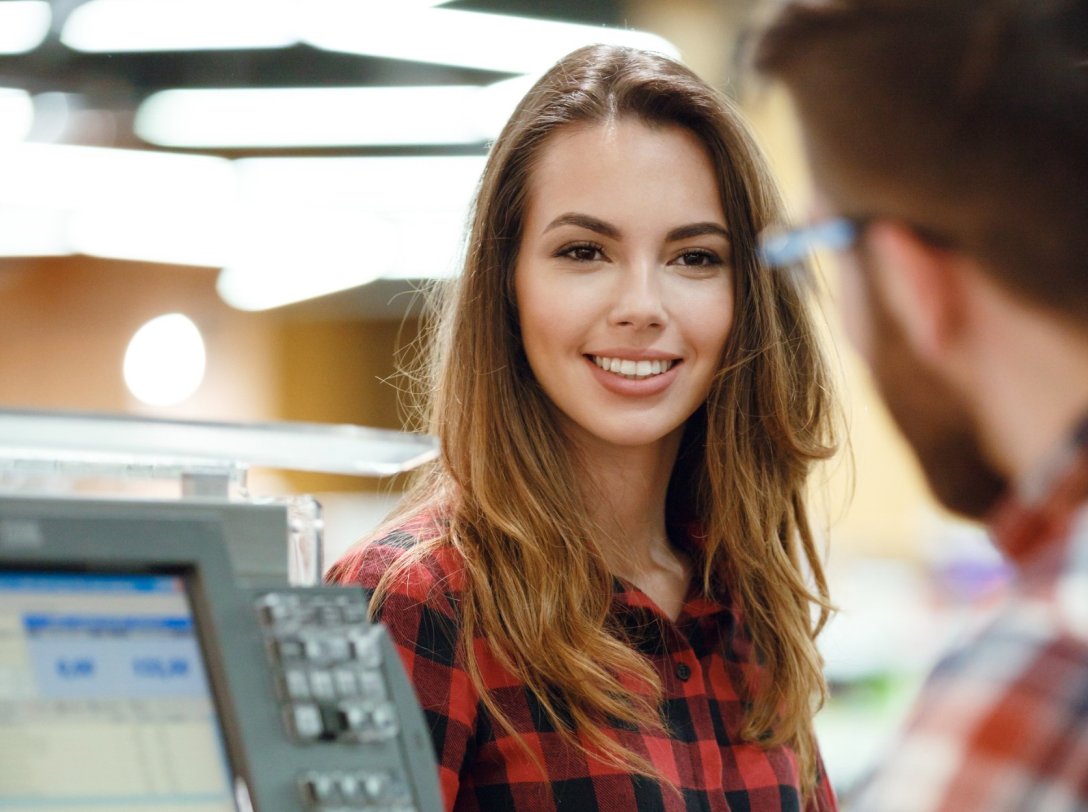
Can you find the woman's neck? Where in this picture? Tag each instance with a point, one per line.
(626, 490)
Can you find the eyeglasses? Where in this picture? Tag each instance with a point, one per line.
(782, 247)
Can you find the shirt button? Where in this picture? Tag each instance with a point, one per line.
(683, 672)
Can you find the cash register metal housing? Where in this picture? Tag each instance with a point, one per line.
(309, 701)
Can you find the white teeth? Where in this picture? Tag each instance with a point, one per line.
(634, 370)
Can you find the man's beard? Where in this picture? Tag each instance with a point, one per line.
(933, 419)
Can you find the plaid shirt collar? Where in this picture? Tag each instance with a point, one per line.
(1038, 511)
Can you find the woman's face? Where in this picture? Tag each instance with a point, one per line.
(624, 280)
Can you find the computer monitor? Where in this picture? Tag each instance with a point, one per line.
(105, 700)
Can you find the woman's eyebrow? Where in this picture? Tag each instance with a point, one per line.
(697, 230)
(584, 221)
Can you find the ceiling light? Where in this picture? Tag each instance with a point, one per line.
(156, 231)
(33, 232)
(467, 38)
(383, 184)
(296, 261)
(16, 114)
(316, 117)
(314, 226)
(24, 25)
(180, 25)
(360, 116)
(69, 177)
(125, 204)
(193, 25)
(165, 359)
(289, 256)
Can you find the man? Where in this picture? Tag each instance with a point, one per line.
(948, 141)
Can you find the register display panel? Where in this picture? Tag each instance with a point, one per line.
(105, 701)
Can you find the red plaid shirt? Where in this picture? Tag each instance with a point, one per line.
(1002, 723)
(702, 659)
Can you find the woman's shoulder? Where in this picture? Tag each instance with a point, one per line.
(412, 552)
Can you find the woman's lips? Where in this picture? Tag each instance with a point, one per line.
(635, 385)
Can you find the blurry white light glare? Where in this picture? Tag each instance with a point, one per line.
(165, 360)
(466, 38)
(70, 177)
(289, 256)
(53, 115)
(304, 256)
(24, 25)
(180, 25)
(33, 232)
(16, 115)
(311, 117)
(155, 232)
(379, 185)
(436, 257)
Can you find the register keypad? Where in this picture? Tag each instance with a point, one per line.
(327, 663)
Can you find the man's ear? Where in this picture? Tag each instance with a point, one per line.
(920, 284)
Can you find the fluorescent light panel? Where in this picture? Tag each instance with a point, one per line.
(24, 25)
(180, 25)
(16, 115)
(71, 177)
(33, 232)
(363, 116)
(314, 226)
(467, 38)
(282, 229)
(413, 30)
(319, 117)
(311, 259)
(193, 25)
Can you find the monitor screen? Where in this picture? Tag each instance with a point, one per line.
(104, 697)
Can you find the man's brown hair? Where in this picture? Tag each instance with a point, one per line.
(967, 119)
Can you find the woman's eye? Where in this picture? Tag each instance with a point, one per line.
(582, 252)
(698, 258)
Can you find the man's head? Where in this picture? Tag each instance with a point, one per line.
(967, 119)
(956, 133)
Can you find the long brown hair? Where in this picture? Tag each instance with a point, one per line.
(537, 586)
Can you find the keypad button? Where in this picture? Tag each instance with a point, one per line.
(322, 685)
(364, 649)
(272, 610)
(318, 788)
(351, 790)
(372, 686)
(304, 721)
(288, 649)
(353, 613)
(313, 648)
(337, 649)
(294, 684)
(347, 685)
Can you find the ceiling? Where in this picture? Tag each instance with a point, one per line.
(99, 93)
(108, 87)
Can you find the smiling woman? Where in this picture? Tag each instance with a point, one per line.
(603, 589)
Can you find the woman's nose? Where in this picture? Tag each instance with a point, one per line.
(639, 302)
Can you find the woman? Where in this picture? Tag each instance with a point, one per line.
(599, 590)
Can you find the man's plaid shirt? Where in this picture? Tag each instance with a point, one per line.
(1002, 723)
(702, 660)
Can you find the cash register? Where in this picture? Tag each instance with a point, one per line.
(143, 667)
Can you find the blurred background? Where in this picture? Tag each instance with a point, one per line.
(222, 210)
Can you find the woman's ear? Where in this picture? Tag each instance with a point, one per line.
(920, 285)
